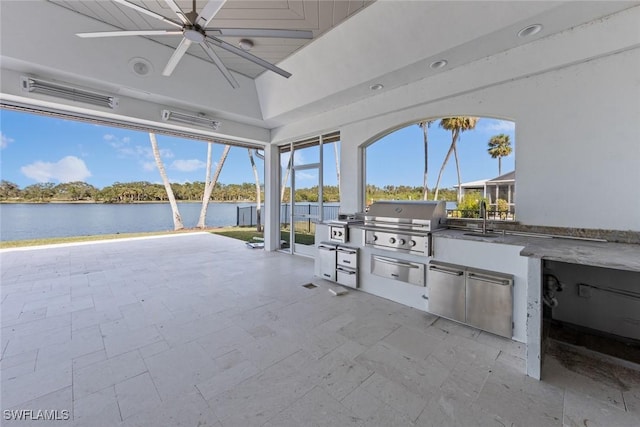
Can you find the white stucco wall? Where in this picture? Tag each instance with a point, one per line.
(577, 124)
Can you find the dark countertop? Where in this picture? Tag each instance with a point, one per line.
(620, 256)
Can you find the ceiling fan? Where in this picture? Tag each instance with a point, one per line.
(193, 29)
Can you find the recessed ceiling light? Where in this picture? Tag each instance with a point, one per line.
(245, 44)
(376, 86)
(438, 64)
(140, 66)
(530, 30)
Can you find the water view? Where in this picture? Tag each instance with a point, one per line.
(23, 221)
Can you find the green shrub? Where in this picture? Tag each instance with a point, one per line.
(503, 208)
(469, 207)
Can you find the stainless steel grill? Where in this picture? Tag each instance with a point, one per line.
(403, 225)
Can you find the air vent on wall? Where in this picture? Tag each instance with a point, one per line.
(65, 91)
(191, 119)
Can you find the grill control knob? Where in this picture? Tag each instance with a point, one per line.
(375, 237)
(392, 240)
(412, 243)
(339, 233)
(402, 242)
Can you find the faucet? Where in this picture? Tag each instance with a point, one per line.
(483, 213)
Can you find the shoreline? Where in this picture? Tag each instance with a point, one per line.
(10, 244)
(92, 202)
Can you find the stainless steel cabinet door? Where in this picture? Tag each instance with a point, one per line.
(327, 255)
(446, 284)
(490, 302)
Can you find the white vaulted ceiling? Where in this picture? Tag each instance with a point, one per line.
(317, 16)
(355, 44)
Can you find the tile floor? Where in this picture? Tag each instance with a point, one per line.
(198, 330)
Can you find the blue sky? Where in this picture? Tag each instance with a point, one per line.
(36, 149)
(405, 165)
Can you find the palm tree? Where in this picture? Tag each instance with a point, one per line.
(258, 190)
(425, 124)
(286, 178)
(211, 184)
(499, 147)
(177, 219)
(456, 125)
(335, 152)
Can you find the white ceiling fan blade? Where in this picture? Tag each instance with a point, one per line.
(130, 33)
(216, 60)
(256, 32)
(208, 12)
(259, 61)
(177, 55)
(173, 6)
(148, 12)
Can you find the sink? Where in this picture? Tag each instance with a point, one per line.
(480, 234)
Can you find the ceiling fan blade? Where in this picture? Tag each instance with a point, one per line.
(216, 60)
(246, 55)
(256, 32)
(130, 33)
(173, 6)
(208, 12)
(177, 55)
(148, 12)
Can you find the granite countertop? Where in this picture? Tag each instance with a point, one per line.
(620, 256)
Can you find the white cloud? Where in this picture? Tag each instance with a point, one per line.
(5, 140)
(298, 159)
(305, 176)
(499, 126)
(68, 169)
(166, 153)
(149, 166)
(124, 149)
(188, 165)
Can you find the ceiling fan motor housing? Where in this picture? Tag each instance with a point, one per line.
(194, 34)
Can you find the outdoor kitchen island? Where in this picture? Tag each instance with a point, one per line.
(518, 255)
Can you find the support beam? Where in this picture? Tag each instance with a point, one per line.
(271, 198)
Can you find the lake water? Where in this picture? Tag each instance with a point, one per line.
(33, 221)
(22, 221)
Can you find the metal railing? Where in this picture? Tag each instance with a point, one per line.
(246, 215)
(495, 215)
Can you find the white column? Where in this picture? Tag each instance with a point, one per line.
(271, 198)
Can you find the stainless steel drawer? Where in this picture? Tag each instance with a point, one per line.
(347, 277)
(347, 257)
(396, 269)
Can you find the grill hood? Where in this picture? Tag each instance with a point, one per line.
(408, 211)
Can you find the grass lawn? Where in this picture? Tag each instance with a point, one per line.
(55, 240)
(247, 234)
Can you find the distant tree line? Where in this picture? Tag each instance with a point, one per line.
(123, 192)
(143, 191)
(404, 192)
